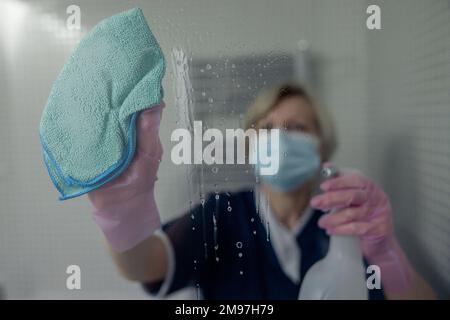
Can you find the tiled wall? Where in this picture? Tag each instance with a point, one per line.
(409, 127)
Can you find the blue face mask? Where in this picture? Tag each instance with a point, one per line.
(298, 158)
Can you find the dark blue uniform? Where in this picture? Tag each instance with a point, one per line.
(222, 248)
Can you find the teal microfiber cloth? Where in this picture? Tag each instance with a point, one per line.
(87, 129)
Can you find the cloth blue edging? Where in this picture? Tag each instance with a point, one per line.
(73, 182)
(113, 174)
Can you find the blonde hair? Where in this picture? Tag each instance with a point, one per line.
(270, 98)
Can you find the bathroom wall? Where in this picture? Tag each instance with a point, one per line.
(409, 128)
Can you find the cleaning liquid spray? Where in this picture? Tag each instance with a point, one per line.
(341, 274)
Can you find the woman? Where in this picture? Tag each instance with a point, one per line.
(255, 244)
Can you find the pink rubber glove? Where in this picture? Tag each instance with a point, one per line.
(364, 210)
(125, 208)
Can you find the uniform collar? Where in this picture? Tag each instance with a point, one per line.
(283, 240)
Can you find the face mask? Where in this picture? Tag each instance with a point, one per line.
(298, 160)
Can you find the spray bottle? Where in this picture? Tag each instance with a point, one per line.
(341, 274)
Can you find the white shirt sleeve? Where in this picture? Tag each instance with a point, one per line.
(170, 264)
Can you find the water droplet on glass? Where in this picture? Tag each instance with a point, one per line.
(217, 197)
(302, 45)
(198, 291)
(203, 93)
(239, 245)
(217, 259)
(208, 67)
(240, 254)
(216, 245)
(192, 217)
(252, 219)
(241, 273)
(233, 66)
(215, 170)
(210, 100)
(254, 232)
(193, 228)
(229, 209)
(201, 70)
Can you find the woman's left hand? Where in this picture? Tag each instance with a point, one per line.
(361, 209)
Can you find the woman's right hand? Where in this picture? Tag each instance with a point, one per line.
(125, 208)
